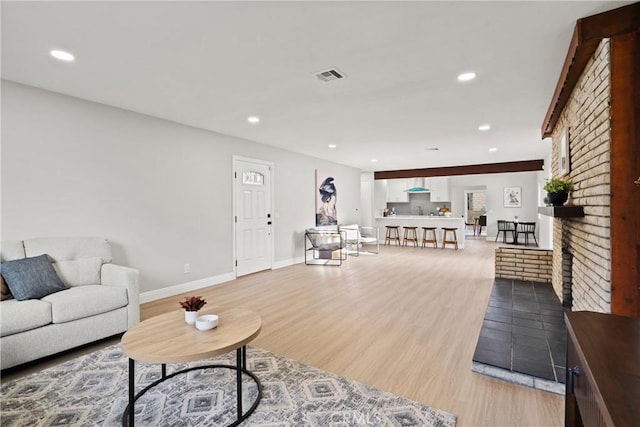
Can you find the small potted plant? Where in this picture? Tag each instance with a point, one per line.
(191, 306)
(558, 190)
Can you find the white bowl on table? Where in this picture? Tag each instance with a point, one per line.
(206, 322)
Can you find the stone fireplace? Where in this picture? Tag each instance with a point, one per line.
(567, 277)
(581, 274)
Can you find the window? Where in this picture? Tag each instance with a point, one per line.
(252, 178)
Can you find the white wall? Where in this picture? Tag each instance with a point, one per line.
(494, 185)
(545, 222)
(379, 197)
(159, 191)
(366, 199)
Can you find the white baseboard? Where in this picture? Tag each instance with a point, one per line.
(204, 283)
(185, 287)
(287, 263)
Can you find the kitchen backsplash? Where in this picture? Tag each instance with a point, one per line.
(419, 203)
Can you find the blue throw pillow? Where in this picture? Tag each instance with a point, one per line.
(31, 278)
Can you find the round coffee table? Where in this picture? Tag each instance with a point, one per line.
(168, 339)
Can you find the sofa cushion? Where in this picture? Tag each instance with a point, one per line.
(69, 248)
(31, 278)
(82, 271)
(84, 301)
(19, 316)
(11, 249)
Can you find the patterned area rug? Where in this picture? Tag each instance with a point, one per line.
(92, 391)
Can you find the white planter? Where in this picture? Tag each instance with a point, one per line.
(190, 317)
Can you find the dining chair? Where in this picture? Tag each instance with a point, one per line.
(527, 228)
(482, 222)
(471, 224)
(504, 227)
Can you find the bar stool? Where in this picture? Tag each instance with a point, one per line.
(410, 235)
(393, 235)
(429, 236)
(447, 235)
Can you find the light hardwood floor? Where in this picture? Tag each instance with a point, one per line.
(405, 321)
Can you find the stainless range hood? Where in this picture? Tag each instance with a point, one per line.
(417, 186)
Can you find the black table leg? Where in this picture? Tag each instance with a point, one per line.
(132, 393)
(239, 380)
(240, 368)
(244, 357)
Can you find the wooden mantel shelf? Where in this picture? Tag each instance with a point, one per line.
(587, 34)
(561, 211)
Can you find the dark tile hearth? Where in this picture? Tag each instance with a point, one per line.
(523, 336)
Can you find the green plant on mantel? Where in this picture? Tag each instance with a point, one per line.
(557, 185)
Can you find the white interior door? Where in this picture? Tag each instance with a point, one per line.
(253, 218)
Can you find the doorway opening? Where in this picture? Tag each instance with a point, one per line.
(475, 211)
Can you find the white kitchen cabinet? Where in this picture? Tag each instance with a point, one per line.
(397, 190)
(379, 196)
(440, 189)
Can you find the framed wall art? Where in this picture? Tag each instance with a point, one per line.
(326, 199)
(512, 197)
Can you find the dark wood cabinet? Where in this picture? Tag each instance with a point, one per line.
(603, 370)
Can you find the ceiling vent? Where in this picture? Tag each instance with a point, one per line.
(330, 75)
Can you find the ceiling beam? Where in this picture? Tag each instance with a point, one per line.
(522, 166)
(587, 35)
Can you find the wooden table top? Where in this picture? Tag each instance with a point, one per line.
(610, 346)
(167, 338)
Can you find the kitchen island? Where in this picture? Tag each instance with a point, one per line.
(423, 221)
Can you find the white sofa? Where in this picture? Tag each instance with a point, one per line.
(100, 300)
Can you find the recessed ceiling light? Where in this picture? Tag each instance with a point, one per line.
(374, 160)
(493, 149)
(253, 120)
(465, 77)
(62, 55)
(332, 145)
(484, 127)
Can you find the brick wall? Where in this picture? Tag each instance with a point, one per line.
(478, 201)
(534, 265)
(586, 239)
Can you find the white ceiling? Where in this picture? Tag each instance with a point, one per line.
(213, 64)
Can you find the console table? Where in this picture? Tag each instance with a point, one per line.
(603, 370)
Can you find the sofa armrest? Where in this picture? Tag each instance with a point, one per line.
(117, 275)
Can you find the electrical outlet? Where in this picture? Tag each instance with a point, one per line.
(187, 268)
